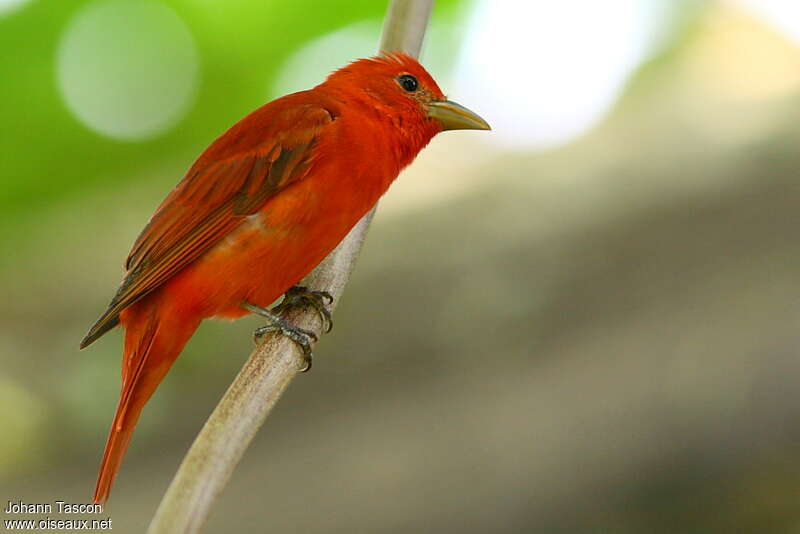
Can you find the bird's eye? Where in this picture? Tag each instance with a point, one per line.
(408, 82)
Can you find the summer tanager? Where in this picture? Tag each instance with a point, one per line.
(259, 209)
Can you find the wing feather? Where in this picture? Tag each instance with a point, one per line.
(233, 178)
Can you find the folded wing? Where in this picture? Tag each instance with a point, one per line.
(258, 157)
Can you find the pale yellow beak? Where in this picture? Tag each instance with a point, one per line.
(455, 116)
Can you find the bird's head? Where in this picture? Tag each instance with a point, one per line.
(397, 85)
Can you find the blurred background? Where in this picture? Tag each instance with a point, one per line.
(585, 320)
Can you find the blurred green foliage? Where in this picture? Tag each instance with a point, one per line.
(48, 155)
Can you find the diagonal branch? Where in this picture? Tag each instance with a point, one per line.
(229, 430)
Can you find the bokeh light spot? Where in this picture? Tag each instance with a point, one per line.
(8, 6)
(313, 62)
(543, 73)
(127, 69)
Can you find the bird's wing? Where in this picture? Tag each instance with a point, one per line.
(233, 178)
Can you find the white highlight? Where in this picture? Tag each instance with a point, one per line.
(9, 6)
(543, 72)
(782, 14)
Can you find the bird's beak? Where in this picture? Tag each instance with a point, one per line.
(455, 116)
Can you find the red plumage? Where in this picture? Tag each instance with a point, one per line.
(257, 211)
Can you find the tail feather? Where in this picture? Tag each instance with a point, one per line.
(151, 346)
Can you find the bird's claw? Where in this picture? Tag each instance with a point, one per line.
(301, 295)
(302, 337)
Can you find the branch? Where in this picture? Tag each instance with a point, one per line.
(229, 430)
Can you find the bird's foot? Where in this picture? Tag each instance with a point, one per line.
(300, 295)
(276, 323)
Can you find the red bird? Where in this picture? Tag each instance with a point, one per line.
(259, 209)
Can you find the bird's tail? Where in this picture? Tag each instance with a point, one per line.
(152, 342)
